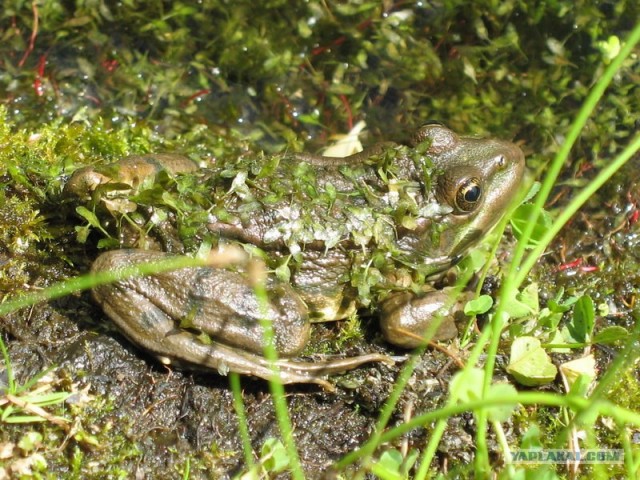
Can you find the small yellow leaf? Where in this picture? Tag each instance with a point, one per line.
(581, 366)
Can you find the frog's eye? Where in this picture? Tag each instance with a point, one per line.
(468, 195)
(461, 189)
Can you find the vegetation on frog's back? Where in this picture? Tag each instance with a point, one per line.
(301, 204)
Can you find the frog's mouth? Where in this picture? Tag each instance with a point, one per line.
(470, 238)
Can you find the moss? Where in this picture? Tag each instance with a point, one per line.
(274, 73)
(626, 391)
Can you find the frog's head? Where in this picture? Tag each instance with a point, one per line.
(472, 184)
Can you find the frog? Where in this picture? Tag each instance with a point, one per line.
(371, 231)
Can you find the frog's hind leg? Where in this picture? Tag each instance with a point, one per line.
(211, 317)
(156, 332)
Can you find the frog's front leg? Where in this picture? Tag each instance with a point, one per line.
(211, 318)
(407, 319)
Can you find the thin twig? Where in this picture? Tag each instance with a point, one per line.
(34, 34)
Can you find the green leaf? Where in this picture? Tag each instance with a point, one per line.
(108, 243)
(479, 305)
(283, 273)
(30, 441)
(579, 374)
(531, 438)
(525, 303)
(610, 48)
(581, 325)
(274, 455)
(467, 384)
(389, 466)
(82, 233)
(474, 261)
(89, 216)
(469, 70)
(24, 419)
(503, 412)
(529, 364)
(522, 217)
(557, 305)
(310, 119)
(549, 319)
(533, 191)
(558, 339)
(92, 219)
(611, 334)
(86, 438)
(43, 400)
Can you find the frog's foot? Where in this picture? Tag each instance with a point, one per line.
(410, 321)
(187, 349)
(318, 369)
